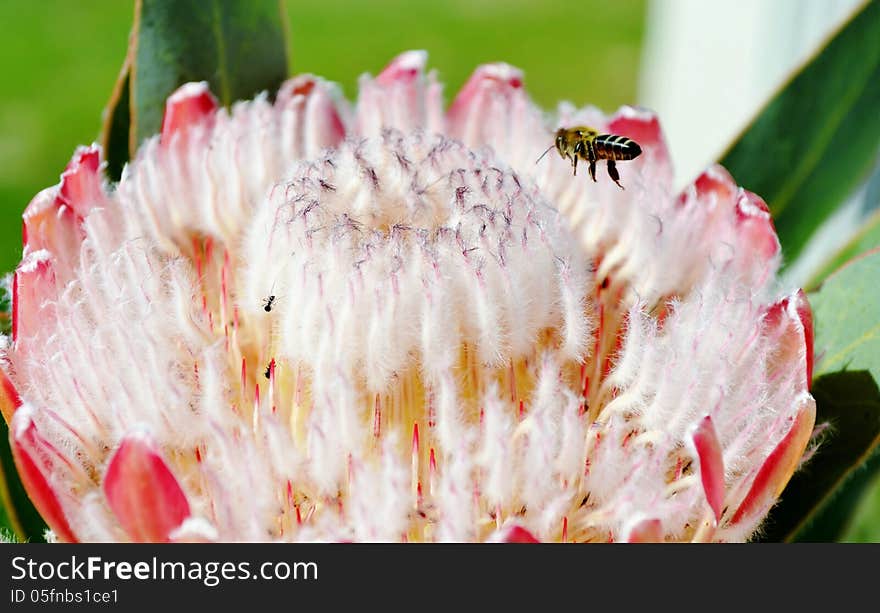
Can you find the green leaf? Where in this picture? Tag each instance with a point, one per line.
(867, 237)
(819, 500)
(846, 312)
(117, 123)
(816, 140)
(864, 526)
(240, 48)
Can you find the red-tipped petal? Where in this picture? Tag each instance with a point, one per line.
(9, 398)
(143, 493)
(755, 225)
(48, 223)
(792, 319)
(81, 184)
(777, 469)
(708, 448)
(310, 120)
(52, 218)
(798, 307)
(514, 534)
(640, 125)
(805, 313)
(190, 105)
(404, 69)
(34, 459)
(713, 186)
(646, 531)
(396, 98)
(32, 285)
(477, 101)
(737, 229)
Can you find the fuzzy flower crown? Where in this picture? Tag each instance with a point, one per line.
(300, 320)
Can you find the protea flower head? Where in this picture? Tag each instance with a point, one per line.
(300, 320)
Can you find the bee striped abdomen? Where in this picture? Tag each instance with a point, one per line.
(615, 147)
(586, 144)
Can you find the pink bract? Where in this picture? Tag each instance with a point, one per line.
(301, 319)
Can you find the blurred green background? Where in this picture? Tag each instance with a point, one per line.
(60, 59)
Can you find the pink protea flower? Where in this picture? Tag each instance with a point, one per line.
(300, 321)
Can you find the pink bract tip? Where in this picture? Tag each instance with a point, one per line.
(310, 100)
(640, 125)
(80, 187)
(143, 493)
(486, 81)
(777, 469)
(32, 284)
(796, 316)
(708, 448)
(515, 534)
(404, 68)
(756, 224)
(646, 531)
(189, 105)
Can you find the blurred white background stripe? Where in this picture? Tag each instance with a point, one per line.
(709, 65)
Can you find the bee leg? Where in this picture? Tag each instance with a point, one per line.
(574, 163)
(593, 170)
(612, 172)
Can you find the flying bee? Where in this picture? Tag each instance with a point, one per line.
(590, 146)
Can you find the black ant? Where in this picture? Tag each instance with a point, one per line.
(267, 302)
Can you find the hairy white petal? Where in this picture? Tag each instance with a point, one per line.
(412, 333)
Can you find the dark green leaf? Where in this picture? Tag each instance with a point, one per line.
(814, 505)
(867, 237)
(820, 498)
(117, 123)
(240, 48)
(864, 525)
(816, 140)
